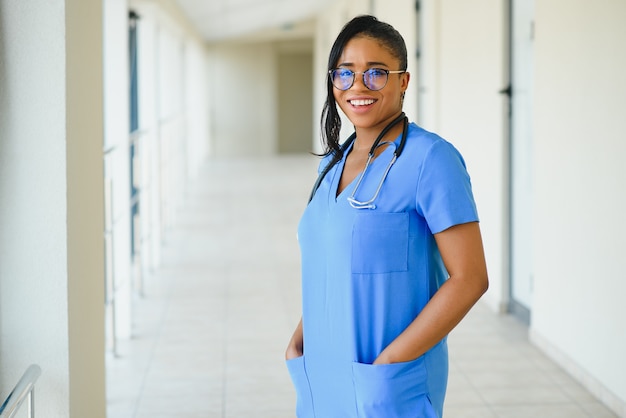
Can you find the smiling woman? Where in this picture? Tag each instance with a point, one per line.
(392, 257)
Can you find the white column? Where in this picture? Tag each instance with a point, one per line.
(51, 217)
(85, 208)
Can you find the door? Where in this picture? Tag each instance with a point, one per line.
(295, 103)
(522, 28)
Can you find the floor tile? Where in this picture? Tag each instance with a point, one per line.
(210, 332)
(543, 411)
(465, 411)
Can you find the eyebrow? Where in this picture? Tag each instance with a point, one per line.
(369, 64)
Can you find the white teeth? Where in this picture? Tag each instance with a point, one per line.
(362, 102)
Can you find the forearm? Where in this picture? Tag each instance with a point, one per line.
(444, 311)
(462, 253)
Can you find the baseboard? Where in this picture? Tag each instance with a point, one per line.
(519, 311)
(593, 385)
(495, 305)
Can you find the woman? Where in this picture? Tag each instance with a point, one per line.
(392, 257)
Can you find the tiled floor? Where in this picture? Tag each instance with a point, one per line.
(212, 328)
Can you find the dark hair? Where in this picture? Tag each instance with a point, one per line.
(365, 26)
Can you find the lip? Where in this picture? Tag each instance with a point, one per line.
(364, 102)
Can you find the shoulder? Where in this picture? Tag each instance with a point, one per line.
(330, 159)
(425, 146)
(325, 162)
(421, 138)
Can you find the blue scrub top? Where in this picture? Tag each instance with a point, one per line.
(366, 275)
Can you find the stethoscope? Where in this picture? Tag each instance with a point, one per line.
(352, 200)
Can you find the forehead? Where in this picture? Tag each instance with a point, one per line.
(363, 50)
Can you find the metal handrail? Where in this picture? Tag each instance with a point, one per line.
(25, 388)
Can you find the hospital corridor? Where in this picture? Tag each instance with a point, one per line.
(212, 329)
(156, 157)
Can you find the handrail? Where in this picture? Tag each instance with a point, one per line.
(25, 388)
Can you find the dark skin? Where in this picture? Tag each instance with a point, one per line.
(460, 246)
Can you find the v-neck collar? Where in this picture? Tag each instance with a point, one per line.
(339, 167)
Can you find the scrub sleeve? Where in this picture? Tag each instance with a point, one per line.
(367, 274)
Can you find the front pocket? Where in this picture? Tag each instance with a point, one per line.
(395, 390)
(304, 399)
(380, 243)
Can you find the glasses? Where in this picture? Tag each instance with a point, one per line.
(374, 78)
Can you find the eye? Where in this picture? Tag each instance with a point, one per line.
(343, 73)
(376, 72)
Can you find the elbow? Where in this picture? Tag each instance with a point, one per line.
(478, 285)
(474, 286)
(483, 284)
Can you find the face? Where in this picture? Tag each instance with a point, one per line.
(369, 109)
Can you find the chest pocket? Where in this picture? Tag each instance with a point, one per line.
(380, 243)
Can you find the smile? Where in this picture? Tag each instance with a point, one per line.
(362, 102)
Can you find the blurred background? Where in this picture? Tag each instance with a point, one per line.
(111, 110)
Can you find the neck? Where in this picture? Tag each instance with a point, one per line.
(366, 137)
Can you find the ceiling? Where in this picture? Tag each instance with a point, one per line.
(219, 20)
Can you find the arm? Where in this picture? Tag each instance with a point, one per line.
(295, 348)
(461, 249)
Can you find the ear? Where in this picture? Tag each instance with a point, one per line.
(404, 81)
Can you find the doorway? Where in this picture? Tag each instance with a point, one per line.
(295, 102)
(521, 141)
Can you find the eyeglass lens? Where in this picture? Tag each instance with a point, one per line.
(374, 78)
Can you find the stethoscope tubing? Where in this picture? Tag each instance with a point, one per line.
(398, 151)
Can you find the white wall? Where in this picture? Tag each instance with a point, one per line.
(580, 183)
(51, 216)
(196, 97)
(465, 65)
(33, 210)
(243, 98)
(171, 121)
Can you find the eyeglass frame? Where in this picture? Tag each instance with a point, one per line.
(354, 73)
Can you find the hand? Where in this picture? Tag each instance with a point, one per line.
(382, 359)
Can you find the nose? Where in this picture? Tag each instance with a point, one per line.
(359, 78)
